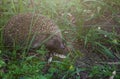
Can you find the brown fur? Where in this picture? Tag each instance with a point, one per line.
(26, 27)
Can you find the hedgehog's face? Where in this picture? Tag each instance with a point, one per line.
(55, 44)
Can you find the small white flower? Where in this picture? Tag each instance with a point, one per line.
(114, 72)
(105, 35)
(99, 28)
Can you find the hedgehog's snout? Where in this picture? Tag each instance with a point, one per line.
(55, 43)
(62, 46)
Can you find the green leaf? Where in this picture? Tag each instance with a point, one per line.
(2, 63)
(105, 50)
(42, 77)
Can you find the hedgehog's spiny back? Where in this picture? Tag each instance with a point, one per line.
(21, 26)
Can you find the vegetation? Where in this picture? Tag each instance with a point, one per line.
(84, 21)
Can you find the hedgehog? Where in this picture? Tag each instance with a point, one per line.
(35, 29)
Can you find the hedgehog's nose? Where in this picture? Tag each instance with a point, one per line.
(62, 46)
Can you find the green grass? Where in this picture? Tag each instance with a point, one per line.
(21, 66)
(101, 41)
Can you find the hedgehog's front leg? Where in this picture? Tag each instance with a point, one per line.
(51, 55)
(50, 58)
